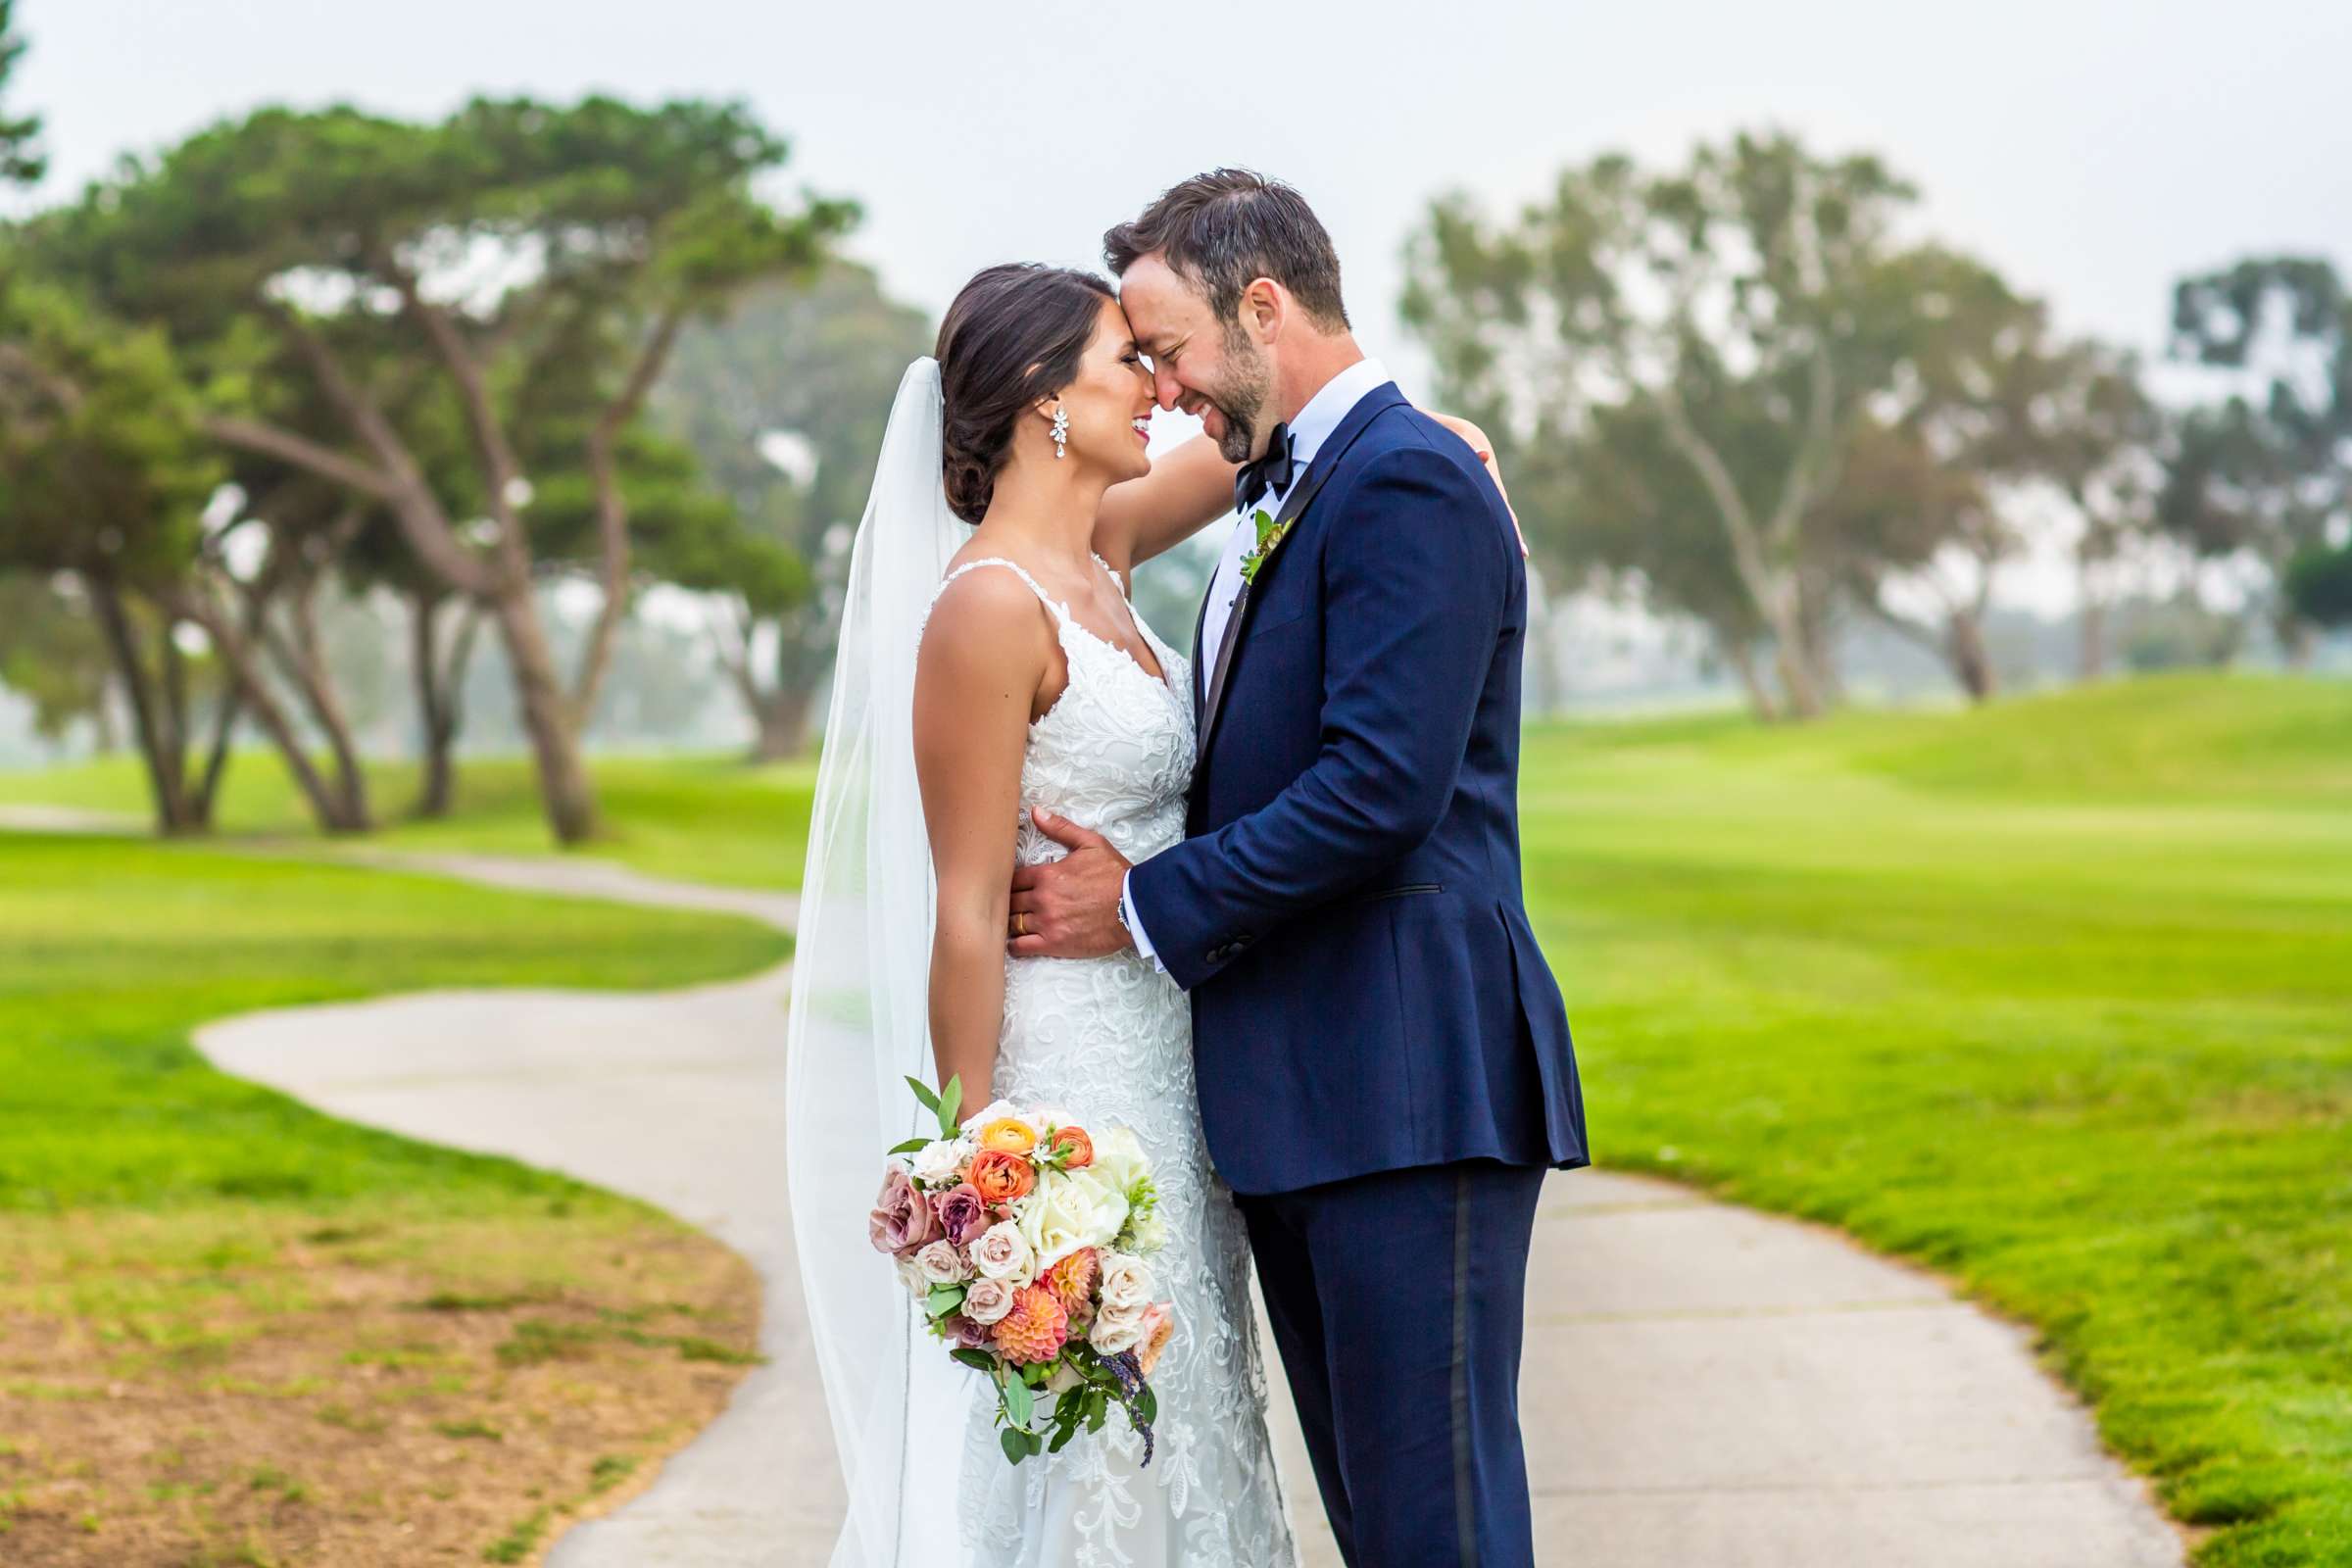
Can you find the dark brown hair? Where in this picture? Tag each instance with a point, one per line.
(1016, 335)
(1227, 228)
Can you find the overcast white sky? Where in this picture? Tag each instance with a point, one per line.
(2093, 148)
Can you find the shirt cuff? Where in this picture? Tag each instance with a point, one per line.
(1134, 925)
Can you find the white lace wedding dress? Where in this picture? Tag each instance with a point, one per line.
(1111, 1040)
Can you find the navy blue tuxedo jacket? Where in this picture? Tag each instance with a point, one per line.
(1347, 911)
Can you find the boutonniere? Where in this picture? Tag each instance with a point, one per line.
(1269, 535)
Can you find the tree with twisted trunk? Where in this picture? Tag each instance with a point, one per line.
(518, 253)
(1995, 422)
(1730, 298)
(105, 476)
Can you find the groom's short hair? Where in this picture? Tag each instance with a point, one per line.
(1227, 228)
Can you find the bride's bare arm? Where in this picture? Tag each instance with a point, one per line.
(1190, 488)
(1186, 491)
(984, 659)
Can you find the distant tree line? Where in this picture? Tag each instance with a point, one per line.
(1735, 392)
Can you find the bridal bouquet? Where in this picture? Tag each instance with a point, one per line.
(1023, 1237)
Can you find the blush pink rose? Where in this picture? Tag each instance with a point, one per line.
(1159, 1326)
(986, 1302)
(962, 1213)
(941, 1265)
(963, 1333)
(901, 1219)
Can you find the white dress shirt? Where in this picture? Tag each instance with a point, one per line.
(1309, 430)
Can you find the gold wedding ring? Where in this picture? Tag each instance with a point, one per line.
(1020, 922)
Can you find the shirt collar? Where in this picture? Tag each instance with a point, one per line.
(1313, 425)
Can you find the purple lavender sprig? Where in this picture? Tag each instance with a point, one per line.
(1136, 1395)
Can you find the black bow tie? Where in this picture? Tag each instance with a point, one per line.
(1269, 473)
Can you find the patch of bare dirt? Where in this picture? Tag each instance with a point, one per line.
(357, 1392)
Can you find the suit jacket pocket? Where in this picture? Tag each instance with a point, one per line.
(1403, 890)
(1273, 618)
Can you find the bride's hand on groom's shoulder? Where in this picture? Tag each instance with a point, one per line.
(1068, 908)
(1486, 455)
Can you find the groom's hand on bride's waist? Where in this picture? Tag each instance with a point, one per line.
(1068, 908)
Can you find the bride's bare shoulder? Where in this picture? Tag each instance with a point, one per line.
(988, 611)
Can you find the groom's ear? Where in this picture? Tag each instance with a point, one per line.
(1265, 305)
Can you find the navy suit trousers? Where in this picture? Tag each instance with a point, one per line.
(1397, 1300)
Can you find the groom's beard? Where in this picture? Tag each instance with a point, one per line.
(1239, 403)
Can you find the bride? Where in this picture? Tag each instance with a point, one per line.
(989, 675)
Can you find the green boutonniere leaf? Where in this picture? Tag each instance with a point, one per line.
(1269, 535)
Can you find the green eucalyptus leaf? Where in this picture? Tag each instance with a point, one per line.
(1015, 1443)
(943, 1300)
(1019, 1403)
(977, 1360)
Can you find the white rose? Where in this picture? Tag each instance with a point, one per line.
(1126, 1283)
(1119, 1158)
(987, 1302)
(912, 1277)
(938, 1264)
(1003, 1252)
(1118, 1328)
(1071, 1209)
(940, 1159)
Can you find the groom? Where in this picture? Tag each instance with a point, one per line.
(1384, 1063)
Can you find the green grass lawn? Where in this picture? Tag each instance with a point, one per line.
(2056, 997)
(236, 1330)
(705, 819)
(112, 950)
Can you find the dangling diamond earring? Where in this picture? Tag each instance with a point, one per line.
(1061, 431)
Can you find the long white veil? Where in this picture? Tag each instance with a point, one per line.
(860, 1022)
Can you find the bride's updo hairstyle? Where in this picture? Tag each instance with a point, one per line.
(1013, 336)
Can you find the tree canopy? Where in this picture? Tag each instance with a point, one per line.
(2265, 470)
(783, 403)
(20, 159)
(520, 271)
(1734, 391)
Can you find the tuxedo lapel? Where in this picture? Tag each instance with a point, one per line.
(1293, 507)
(1200, 654)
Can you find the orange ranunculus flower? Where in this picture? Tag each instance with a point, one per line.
(1001, 1178)
(1008, 1135)
(1077, 1150)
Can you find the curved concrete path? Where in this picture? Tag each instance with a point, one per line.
(1705, 1386)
